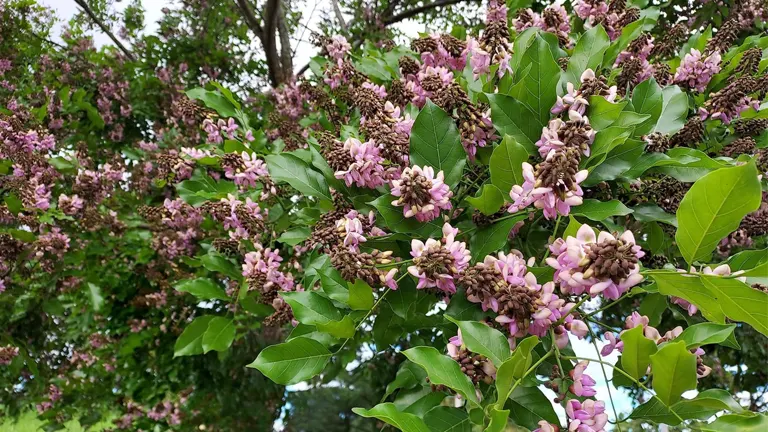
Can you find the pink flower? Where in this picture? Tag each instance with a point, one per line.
(583, 384)
(545, 426)
(587, 416)
(367, 169)
(555, 198)
(613, 344)
(352, 229)
(421, 193)
(438, 263)
(338, 48)
(695, 72)
(602, 264)
(379, 90)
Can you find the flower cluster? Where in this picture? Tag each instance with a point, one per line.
(262, 271)
(596, 265)
(421, 193)
(438, 263)
(696, 71)
(354, 227)
(554, 19)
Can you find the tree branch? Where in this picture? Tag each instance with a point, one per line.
(419, 9)
(339, 16)
(87, 9)
(286, 54)
(250, 19)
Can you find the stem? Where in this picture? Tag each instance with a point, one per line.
(370, 311)
(557, 350)
(605, 376)
(575, 307)
(528, 372)
(631, 379)
(394, 263)
(609, 305)
(554, 236)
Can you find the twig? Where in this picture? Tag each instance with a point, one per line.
(87, 9)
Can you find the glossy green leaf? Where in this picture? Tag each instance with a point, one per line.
(706, 334)
(360, 296)
(647, 99)
(703, 406)
(637, 352)
(294, 236)
(202, 288)
(291, 362)
(491, 238)
(507, 165)
(435, 142)
(650, 212)
(213, 100)
(587, 54)
(509, 118)
(396, 220)
(489, 201)
(482, 339)
(220, 334)
(219, 263)
(95, 297)
(513, 369)
(737, 423)
(536, 89)
(717, 297)
(190, 342)
(674, 111)
(312, 308)
(447, 419)
(409, 375)
(442, 370)
(297, 173)
(528, 405)
(600, 210)
(389, 414)
(498, 421)
(602, 113)
(333, 284)
(714, 207)
(674, 372)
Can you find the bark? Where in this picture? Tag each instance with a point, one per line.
(267, 33)
(88, 11)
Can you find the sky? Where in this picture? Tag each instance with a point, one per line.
(66, 9)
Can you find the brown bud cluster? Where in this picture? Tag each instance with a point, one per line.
(362, 265)
(631, 68)
(612, 259)
(750, 61)
(473, 366)
(740, 146)
(671, 40)
(558, 171)
(724, 38)
(751, 127)
(691, 134)
(657, 142)
(662, 74)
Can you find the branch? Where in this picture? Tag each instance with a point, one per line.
(250, 18)
(339, 16)
(420, 9)
(286, 54)
(105, 29)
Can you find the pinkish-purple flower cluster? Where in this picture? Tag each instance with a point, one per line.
(438, 263)
(421, 193)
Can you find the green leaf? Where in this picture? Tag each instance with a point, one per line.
(506, 165)
(637, 352)
(649, 212)
(587, 54)
(489, 201)
(220, 334)
(602, 113)
(674, 372)
(706, 334)
(536, 89)
(201, 288)
(674, 111)
(491, 238)
(601, 210)
(333, 284)
(653, 306)
(360, 295)
(435, 142)
(513, 369)
(14, 204)
(647, 99)
(94, 295)
(213, 100)
(498, 421)
(388, 413)
(291, 362)
(443, 370)
(481, 339)
(297, 173)
(190, 342)
(312, 308)
(737, 423)
(703, 406)
(408, 376)
(295, 236)
(528, 405)
(447, 419)
(396, 220)
(509, 118)
(462, 309)
(717, 297)
(605, 141)
(219, 263)
(714, 207)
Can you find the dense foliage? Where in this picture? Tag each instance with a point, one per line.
(418, 233)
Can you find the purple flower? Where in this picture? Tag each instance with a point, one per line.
(545, 426)
(379, 90)
(351, 228)
(338, 48)
(554, 199)
(267, 262)
(70, 205)
(583, 384)
(695, 72)
(421, 193)
(480, 60)
(437, 263)
(367, 169)
(590, 10)
(587, 416)
(596, 264)
(496, 12)
(613, 344)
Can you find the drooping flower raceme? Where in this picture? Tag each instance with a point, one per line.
(421, 193)
(365, 169)
(603, 264)
(583, 384)
(438, 263)
(587, 416)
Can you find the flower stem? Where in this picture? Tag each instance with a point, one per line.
(609, 305)
(605, 376)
